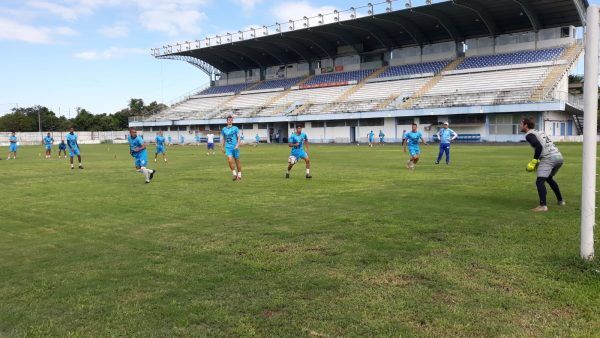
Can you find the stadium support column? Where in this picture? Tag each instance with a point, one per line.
(590, 124)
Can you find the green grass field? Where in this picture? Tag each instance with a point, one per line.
(366, 248)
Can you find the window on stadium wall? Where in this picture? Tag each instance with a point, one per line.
(467, 119)
(371, 122)
(336, 123)
(262, 126)
(506, 124)
(428, 120)
(405, 121)
(317, 124)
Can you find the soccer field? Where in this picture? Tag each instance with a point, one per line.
(364, 248)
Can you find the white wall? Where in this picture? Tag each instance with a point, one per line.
(439, 51)
(405, 56)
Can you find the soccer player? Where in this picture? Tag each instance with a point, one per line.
(230, 145)
(137, 149)
(160, 146)
(181, 140)
(210, 143)
(412, 139)
(446, 135)
(73, 147)
(546, 161)
(197, 140)
(48, 142)
(257, 139)
(12, 148)
(170, 139)
(371, 137)
(381, 138)
(62, 148)
(297, 142)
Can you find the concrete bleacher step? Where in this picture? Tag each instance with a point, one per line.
(225, 105)
(430, 84)
(283, 94)
(355, 88)
(557, 72)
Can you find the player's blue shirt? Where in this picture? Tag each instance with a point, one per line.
(371, 135)
(197, 138)
(72, 140)
(182, 138)
(48, 140)
(446, 135)
(160, 141)
(13, 139)
(413, 138)
(170, 138)
(62, 146)
(300, 139)
(257, 138)
(135, 143)
(230, 134)
(381, 135)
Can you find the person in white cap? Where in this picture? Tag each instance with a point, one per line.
(446, 135)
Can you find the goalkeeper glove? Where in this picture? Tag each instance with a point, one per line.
(532, 166)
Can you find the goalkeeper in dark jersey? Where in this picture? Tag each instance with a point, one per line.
(546, 162)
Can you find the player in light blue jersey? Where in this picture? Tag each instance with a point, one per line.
(371, 137)
(197, 139)
(73, 147)
(181, 140)
(12, 147)
(137, 149)
(298, 141)
(412, 139)
(230, 145)
(62, 148)
(257, 139)
(381, 138)
(446, 135)
(170, 139)
(160, 146)
(48, 143)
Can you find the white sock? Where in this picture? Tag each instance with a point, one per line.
(239, 174)
(234, 173)
(307, 171)
(146, 173)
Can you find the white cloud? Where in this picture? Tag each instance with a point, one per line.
(118, 30)
(247, 5)
(172, 20)
(295, 10)
(110, 53)
(13, 30)
(67, 13)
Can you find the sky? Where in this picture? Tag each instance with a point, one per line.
(95, 54)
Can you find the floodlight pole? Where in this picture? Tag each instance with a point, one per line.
(590, 125)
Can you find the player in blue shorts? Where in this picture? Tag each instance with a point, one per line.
(257, 139)
(62, 148)
(413, 138)
(48, 142)
(230, 145)
(73, 147)
(381, 138)
(160, 146)
(446, 135)
(210, 143)
(137, 149)
(298, 141)
(181, 140)
(371, 137)
(170, 139)
(12, 148)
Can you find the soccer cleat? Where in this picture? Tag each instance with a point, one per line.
(437, 162)
(287, 175)
(152, 174)
(541, 208)
(80, 166)
(308, 176)
(147, 182)
(408, 164)
(562, 203)
(234, 178)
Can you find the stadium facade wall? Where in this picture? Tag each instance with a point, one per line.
(84, 137)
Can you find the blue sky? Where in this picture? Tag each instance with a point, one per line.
(95, 54)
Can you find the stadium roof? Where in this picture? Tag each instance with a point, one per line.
(365, 31)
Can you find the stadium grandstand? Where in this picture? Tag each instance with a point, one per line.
(479, 64)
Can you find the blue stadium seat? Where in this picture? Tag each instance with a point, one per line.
(279, 83)
(225, 89)
(356, 75)
(511, 58)
(414, 69)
